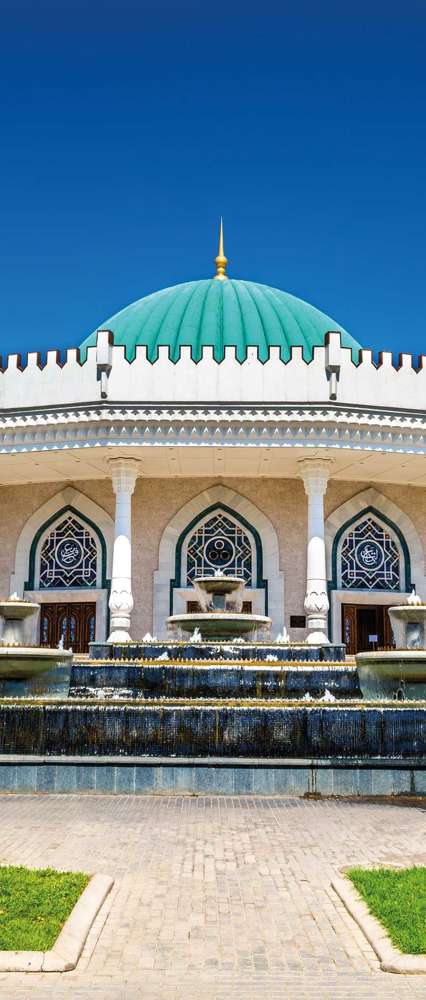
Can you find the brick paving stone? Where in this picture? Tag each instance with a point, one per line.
(214, 897)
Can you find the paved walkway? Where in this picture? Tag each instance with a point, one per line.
(216, 898)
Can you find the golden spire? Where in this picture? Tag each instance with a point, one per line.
(221, 261)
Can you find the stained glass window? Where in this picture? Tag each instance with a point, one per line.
(369, 558)
(68, 556)
(219, 543)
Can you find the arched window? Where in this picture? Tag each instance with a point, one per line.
(369, 558)
(68, 555)
(219, 542)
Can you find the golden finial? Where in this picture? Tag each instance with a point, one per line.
(221, 261)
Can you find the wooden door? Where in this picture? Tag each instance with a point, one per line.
(73, 625)
(349, 628)
(360, 621)
(369, 627)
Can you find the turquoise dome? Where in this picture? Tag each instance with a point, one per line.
(226, 313)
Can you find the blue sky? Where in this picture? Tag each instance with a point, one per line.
(127, 128)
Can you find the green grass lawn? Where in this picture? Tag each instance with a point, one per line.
(397, 897)
(34, 905)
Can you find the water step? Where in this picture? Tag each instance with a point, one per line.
(145, 680)
(158, 730)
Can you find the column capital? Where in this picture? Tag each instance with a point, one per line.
(315, 473)
(124, 473)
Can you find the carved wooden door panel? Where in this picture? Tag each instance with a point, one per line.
(73, 625)
(349, 628)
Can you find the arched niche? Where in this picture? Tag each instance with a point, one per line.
(371, 503)
(269, 589)
(25, 577)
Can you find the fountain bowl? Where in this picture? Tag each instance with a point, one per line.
(220, 599)
(398, 673)
(18, 660)
(220, 625)
(27, 661)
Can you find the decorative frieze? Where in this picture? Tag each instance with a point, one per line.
(243, 427)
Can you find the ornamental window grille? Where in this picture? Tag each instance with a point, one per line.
(219, 543)
(68, 556)
(369, 558)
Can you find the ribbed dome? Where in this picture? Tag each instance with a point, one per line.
(238, 313)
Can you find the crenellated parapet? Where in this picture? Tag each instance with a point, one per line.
(106, 374)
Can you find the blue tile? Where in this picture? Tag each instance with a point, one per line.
(144, 778)
(365, 781)
(205, 778)
(105, 778)
(224, 780)
(401, 783)
(124, 778)
(292, 780)
(46, 777)
(8, 777)
(382, 782)
(26, 777)
(164, 778)
(263, 780)
(66, 778)
(86, 777)
(184, 778)
(243, 780)
(389, 781)
(345, 781)
(419, 781)
(323, 781)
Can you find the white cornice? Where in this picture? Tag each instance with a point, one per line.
(211, 426)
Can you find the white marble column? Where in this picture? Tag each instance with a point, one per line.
(315, 473)
(124, 472)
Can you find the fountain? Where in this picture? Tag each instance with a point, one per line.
(17, 659)
(221, 614)
(228, 716)
(398, 673)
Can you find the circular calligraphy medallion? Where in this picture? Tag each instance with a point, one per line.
(69, 553)
(369, 555)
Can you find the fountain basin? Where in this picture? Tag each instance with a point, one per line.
(27, 661)
(220, 599)
(220, 624)
(408, 625)
(14, 612)
(17, 660)
(393, 674)
(398, 673)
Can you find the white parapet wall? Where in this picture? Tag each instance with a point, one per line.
(106, 374)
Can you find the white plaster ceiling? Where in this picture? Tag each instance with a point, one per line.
(163, 462)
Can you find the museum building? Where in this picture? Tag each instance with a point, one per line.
(218, 424)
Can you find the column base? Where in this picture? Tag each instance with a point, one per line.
(318, 639)
(119, 635)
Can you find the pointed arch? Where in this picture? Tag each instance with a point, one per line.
(68, 499)
(391, 514)
(268, 568)
(400, 525)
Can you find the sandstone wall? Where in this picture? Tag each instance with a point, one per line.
(155, 502)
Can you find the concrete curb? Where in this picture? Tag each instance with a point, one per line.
(69, 944)
(390, 958)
